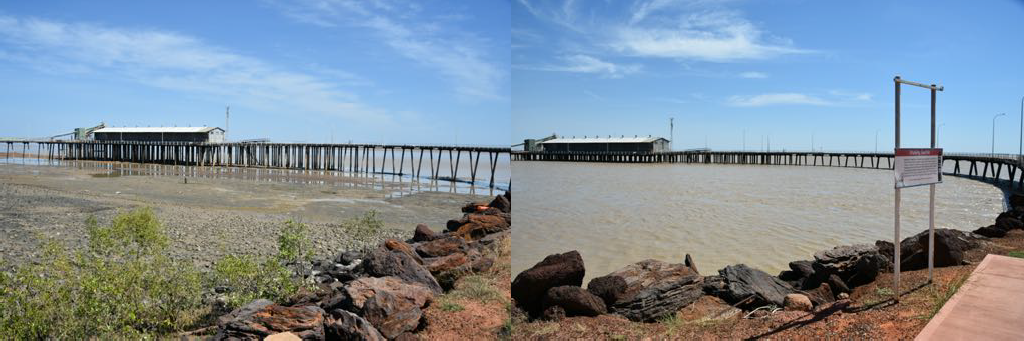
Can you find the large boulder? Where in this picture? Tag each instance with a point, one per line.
(991, 231)
(441, 246)
(475, 226)
(800, 274)
(753, 287)
(821, 295)
(383, 262)
(650, 289)
(797, 302)
(1007, 221)
(529, 286)
(950, 246)
(262, 318)
(1016, 200)
(349, 326)
(390, 304)
(574, 301)
(502, 203)
(854, 264)
(396, 245)
(423, 233)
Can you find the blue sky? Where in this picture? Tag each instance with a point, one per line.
(368, 71)
(787, 69)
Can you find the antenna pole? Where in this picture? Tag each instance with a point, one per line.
(227, 121)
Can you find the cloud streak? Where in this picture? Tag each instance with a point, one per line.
(776, 99)
(173, 61)
(459, 56)
(579, 63)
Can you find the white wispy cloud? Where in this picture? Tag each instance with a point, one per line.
(776, 99)
(753, 74)
(675, 29)
(457, 54)
(852, 96)
(580, 63)
(174, 61)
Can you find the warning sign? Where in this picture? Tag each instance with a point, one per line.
(916, 167)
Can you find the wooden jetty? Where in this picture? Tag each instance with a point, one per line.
(356, 158)
(985, 166)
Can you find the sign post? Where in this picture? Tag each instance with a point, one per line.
(915, 167)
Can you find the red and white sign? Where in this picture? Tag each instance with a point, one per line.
(918, 166)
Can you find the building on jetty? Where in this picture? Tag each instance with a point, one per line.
(161, 134)
(603, 145)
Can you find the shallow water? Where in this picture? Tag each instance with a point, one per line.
(763, 216)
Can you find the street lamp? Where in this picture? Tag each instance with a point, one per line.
(1020, 158)
(876, 141)
(994, 133)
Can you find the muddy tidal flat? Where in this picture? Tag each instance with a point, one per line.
(208, 217)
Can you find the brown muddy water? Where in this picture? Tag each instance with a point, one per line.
(763, 216)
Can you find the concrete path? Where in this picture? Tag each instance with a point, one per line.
(989, 306)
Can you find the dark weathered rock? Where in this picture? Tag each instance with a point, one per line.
(390, 304)
(349, 326)
(502, 203)
(950, 246)
(854, 264)
(396, 245)
(821, 295)
(575, 301)
(261, 318)
(437, 265)
(837, 284)
(476, 226)
(803, 268)
(441, 246)
(383, 262)
(1016, 200)
(609, 288)
(1007, 221)
(752, 286)
(688, 261)
(653, 289)
(423, 233)
(474, 207)
(529, 286)
(991, 231)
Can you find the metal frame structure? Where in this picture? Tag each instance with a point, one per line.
(931, 194)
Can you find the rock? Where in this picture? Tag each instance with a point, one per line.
(390, 304)
(797, 302)
(383, 262)
(437, 265)
(608, 288)
(742, 282)
(991, 231)
(1007, 222)
(821, 295)
(395, 245)
(474, 207)
(843, 296)
(476, 226)
(262, 318)
(1016, 200)
(349, 326)
(553, 313)
(529, 286)
(286, 336)
(950, 246)
(575, 301)
(688, 261)
(423, 233)
(837, 284)
(508, 195)
(854, 264)
(502, 203)
(441, 247)
(652, 289)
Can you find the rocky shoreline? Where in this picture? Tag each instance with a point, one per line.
(379, 293)
(653, 290)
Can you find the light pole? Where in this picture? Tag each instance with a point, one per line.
(994, 133)
(744, 140)
(876, 141)
(812, 142)
(1020, 158)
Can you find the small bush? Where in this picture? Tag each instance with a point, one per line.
(121, 286)
(246, 278)
(450, 306)
(293, 245)
(476, 287)
(1018, 254)
(366, 225)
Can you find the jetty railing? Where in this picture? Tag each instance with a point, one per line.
(987, 166)
(356, 158)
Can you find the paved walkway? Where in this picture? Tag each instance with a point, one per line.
(989, 306)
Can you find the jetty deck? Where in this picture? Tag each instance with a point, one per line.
(987, 306)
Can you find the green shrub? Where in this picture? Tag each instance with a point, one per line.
(293, 245)
(247, 278)
(366, 225)
(1018, 254)
(122, 286)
